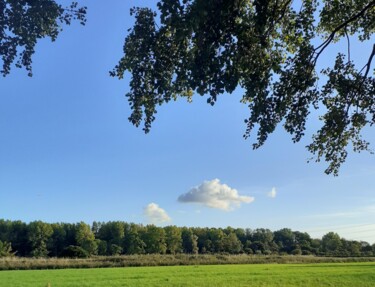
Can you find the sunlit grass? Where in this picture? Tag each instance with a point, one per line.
(338, 274)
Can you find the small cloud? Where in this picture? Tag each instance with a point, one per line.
(155, 214)
(215, 195)
(272, 193)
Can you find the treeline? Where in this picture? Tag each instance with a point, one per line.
(40, 239)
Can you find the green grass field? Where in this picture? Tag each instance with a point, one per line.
(337, 274)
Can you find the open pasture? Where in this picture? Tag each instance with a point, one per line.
(323, 274)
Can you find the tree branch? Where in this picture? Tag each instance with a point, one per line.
(341, 26)
(368, 65)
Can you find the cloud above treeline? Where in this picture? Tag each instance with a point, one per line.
(215, 195)
(272, 193)
(155, 214)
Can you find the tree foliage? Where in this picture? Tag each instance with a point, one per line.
(5, 249)
(24, 22)
(85, 238)
(38, 236)
(116, 238)
(266, 47)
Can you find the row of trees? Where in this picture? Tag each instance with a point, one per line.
(40, 239)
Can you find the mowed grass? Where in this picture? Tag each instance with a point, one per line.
(334, 274)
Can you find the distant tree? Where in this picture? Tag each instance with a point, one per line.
(258, 247)
(113, 233)
(16, 233)
(155, 239)
(24, 22)
(202, 244)
(331, 244)
(232, 244)
(262, 234)
(270, 49)
(57, 242)
(262, 240)
(189, 241)
(303, 241)
(133, 243)
(173, 238)
(114, 249)
(5, 249)
(73, 251)
(70, 231)
(216, 236)
(102, 247)
(38, 235)
(95, 227)
(78, 240)
(366, 249)
(285, 239)
(241, 234)
(316, 246)
(350, 248)
(85, 238)
(247, 247)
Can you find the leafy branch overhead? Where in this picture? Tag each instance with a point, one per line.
(24, 22)
(266, 47)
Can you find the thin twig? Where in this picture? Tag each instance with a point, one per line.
(348, 40)
(330, 38)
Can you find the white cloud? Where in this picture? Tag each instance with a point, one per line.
(155, 214)
(272, 193)
(215, 195)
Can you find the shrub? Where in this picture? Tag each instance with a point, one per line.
(73, 251)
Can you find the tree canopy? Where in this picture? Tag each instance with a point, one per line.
(40, 239)
(24, 22)
(268, 48)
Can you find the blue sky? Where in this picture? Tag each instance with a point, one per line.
(68, 152)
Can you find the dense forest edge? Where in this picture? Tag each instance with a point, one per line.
(80, 240)
(38, 239)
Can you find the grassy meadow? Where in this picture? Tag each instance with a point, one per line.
(321, 274)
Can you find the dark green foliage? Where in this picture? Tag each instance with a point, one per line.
(112, 233)
(154, 239)
(102, 247)
(173, 239)
(85, 238)
(189, 241)
(80, 240)
(132, 242)
(231, 244)
(5, 249)
(331, 244)
(74, 252)
(15, 232)
(38, 235)
(269, 49)
(285, 239)
(24, 22)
